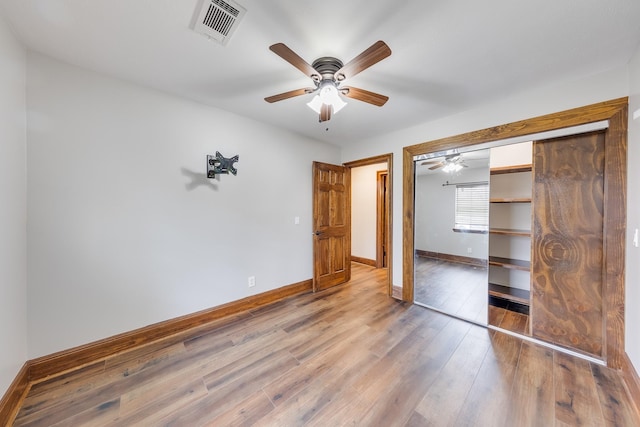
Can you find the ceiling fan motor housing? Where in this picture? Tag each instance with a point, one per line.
(327, 67)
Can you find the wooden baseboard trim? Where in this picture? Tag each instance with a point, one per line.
(632, 381)
(15, 394)
(36, 370)
(366, 261)
(66, 360)
(397, 292)
(478, 262)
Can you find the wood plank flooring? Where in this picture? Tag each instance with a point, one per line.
(455, 288)
(509, 320)
(462, 291)
(350, 355)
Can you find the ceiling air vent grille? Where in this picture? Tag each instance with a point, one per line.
(218, 19)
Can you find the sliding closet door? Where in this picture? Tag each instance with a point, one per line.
(567, 242)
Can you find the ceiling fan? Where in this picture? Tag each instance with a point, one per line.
(327, 74)
(451, 163)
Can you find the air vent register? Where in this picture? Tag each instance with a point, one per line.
(218, 19)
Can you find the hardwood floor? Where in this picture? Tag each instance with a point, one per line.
(350, 355)
(509, 320)
(455, 288)
(461, 290)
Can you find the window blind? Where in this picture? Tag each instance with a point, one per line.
(472, 207)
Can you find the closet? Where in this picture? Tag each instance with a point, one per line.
(510, 228)
(546, 237)
(556, 230)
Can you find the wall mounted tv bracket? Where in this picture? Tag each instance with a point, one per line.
(221, 165)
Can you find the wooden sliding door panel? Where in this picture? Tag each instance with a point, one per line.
(332, 225)
(567, 242)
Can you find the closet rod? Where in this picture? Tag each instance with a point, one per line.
(462, 184)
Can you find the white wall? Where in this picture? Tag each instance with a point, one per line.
(13, 206)
(435, 214)
(364, 190)
(124, 228)
(543, 100)
(632, 312)
(511, 155)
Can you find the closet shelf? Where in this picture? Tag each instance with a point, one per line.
(510, 169)
(510, 200)
(516, 264)
(510, 232)
(519, 296)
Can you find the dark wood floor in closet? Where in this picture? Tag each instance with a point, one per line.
(347, 356)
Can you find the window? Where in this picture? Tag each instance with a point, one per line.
(472, 208)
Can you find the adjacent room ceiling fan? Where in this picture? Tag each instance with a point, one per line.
(451, 163)
(327, 74)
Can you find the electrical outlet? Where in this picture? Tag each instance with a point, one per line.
(251, 281)
(469, 250)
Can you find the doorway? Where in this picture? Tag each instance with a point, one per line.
(378, 232)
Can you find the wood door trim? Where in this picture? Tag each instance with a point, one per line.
(372, 161)
(615, 201)
(563, 119)
(382, 214)
(615, 218)
(408, 222)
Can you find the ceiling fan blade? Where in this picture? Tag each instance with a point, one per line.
(292, 58)
(364, 95)
(325, 113)
(290, 94)
(375, 53)
(438, 166)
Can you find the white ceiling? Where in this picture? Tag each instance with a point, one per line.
(448, 55)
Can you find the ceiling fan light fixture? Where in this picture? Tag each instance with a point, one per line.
(328, 95)
(327, 74)
(452, 167)
(338, 104)
(315, 104)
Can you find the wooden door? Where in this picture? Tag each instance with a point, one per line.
(332, 225)
(567, 264)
